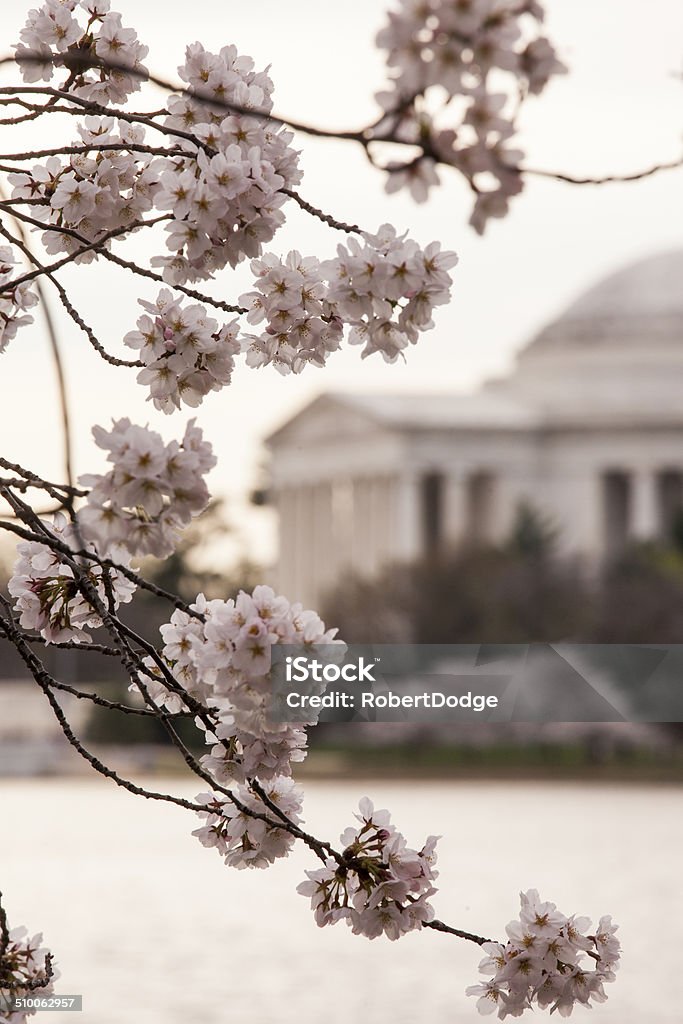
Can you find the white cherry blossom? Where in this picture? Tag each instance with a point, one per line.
(381, 886)
(152, 491)
(224, 660)
(549, 960)
(46, 591)
(244, 841)
(15, 301)
(186, 354)
(82, 29)
(438, 51)
(24, 972)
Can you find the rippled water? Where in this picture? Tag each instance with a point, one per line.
(151, 927)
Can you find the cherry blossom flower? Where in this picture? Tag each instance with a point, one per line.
(387, 287)
(544, 962)
(438, 51)
(382, 887)
(24, 971)
(245, 841)
(185, 353)
(302, 327)
(220, 653)
(91, 193)
(13, 302)
(46, 591)
(53, 33)
(226, 202)
(152, 491)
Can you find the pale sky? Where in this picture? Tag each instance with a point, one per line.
(619, 109)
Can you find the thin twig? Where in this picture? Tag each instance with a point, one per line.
(439, 926)
(97, 147)
(58, 264)
(68, 306)
(46, 683)
(56, 354)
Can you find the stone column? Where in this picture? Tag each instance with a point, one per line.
(360, 526)
(287, 554)
(342, 515)
(408, 517)
(644, 518)
(381, 523)
(322, 540)
(304, 570)
(454, 508)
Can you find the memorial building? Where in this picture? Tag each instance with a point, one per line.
(587, 429)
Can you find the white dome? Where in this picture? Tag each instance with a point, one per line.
(639, 304)
(650, 287)
(616, 351)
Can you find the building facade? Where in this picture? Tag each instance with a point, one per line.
(587, 429)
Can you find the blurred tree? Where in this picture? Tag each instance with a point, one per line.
(519, 592)
(533, 534)
(677, 531)
(640, 597)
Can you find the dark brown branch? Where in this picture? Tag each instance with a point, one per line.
(321, 849)
(439, 926)
(153, 276)
(68, 306)
(33, 480)
(112, 705)
(46, 683)
(73, 645)
(98, 108)
(324, 217)
(364, 136)
(606, 179)
(97, 147)
(36, 984)
(51, 268)
(25, 201)
(128, 265)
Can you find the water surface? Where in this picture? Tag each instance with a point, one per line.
(150, 927)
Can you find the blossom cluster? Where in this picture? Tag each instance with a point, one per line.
(220, 653)
(24, 972)
(77, 34)
(185, 353)
(94, 192)
(223, 186)
(102, 187)
(544, 962)
(225, 196)
(245, 841)
(301, 326)
(13, 302)
(152, 491)
(381, 886)
(385, 287)
(485, 55)
(220, 183)
(48, 594)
